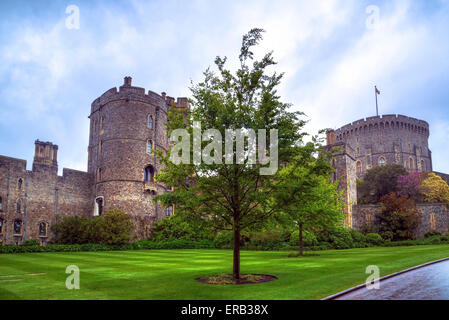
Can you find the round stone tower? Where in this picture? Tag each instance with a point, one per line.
(126, 126)
(381, 140)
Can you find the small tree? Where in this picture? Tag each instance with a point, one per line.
(435, 189)
(307, 196)
(410, 185)
(399, 217)
(379, 181)
(114, 227)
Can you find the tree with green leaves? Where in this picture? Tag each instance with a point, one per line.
(230, 192)
(379, 181)
(306, 195)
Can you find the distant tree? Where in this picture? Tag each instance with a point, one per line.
(379, 181)
(410, 185)
(232, 196)
(398, 219)
(435, 189)
(307, 197)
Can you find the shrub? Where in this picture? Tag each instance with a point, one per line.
(431, 234)
(31, 242)
(114, 227)
(224, 240)
(269, 239)
(374, 239)
(71, 230)
(177, 228)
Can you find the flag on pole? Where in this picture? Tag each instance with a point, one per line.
(377, 90)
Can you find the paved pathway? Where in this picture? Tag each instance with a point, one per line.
(427, 283)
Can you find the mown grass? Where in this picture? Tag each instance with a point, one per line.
(171, 274)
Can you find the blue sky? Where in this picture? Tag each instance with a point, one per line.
(332, 53)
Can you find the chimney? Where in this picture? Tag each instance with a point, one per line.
(163, 94)
(45, 156)
(331, 137)
(127, 82)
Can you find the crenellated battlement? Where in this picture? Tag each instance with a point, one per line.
(389, 121)
(129, 92)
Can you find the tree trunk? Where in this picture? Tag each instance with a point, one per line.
(236, 268)
(301, 246)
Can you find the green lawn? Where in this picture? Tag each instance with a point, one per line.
(170, 274)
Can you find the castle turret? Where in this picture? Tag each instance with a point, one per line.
(45, 156)
(127, 126)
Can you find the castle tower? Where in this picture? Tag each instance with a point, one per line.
(45, 157)
(126, 126)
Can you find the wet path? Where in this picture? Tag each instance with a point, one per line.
(426, 283)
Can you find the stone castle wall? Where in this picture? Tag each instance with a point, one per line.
(434, 217)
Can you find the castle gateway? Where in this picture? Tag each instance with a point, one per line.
(126, 126)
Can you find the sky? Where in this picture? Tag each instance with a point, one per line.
(333, 53)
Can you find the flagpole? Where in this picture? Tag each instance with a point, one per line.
(375, 93)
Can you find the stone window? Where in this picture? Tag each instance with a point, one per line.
(432, 221)
(150, 122)
(19, 206)
(101, 122)
(99, 205)
(149, 174)
(19, 184)
(423, 166)
(100, 147)
(411, 163)
(169, 211)
(17, 227)
(1, 204)
(150, 146)
(1, 225)
(358, 167)
(382, 161)
(43, 226)
(98, 174)
(169, 188)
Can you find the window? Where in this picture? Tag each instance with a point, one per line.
(19, 206)
(423, 169)
(99, 204)
(411, 163)
(432, 221)
(101, 122)
(98, 174)
(100, 146)
(19, 184)
(1, 225)
(150, 146)
(149, 174)
(358, 167)
(1, 204)
(17, 226)
(169, 188)
(42, 229)
(150, 122)
(169, 211)
(382, 161)
(368, 218)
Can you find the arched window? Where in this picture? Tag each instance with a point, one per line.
(99, 204)
(150, 122)
(358, 167)
(1, 225)
(411, 163)
(19, 184)
(150, 146)
(1, 204)
(149, 174)
(423, 166)
(43, 229)
(382, 161)
(17, 227)
(19, 206)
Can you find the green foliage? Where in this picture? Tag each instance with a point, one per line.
(112, 228)
(435, 189)
(224, 239)
(309, 238)
(398, 219)
(266, 239)
(31, 242)
(431, 234)
(374, 239)
(179, 228)
(379, 181)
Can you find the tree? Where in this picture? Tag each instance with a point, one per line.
(410, 185)
(306, 195)
(379, 181)
(398, 219)
(114, 227)
(435, 189)
(228, 194)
